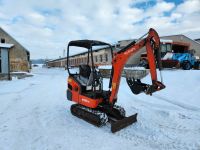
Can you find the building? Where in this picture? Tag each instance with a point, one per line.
(19, 57)
(103, 57)
(194, 44)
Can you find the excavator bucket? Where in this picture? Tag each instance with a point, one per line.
(133, 80)
(136, 85)
(123, 123)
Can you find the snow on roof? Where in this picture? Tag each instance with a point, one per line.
(129, 68)
(105, 67)
(165, 40)
(6, 45)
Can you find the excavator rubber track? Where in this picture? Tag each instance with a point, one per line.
(92, 116)
(100, 118)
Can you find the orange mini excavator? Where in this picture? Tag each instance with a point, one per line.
(98, 106)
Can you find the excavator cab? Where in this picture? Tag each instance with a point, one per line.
(88, 81)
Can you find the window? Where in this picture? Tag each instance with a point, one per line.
(96, 58)
(168, 47)
(28, 56)
(3, 40)
(90, 60)
(163, 48)
(101, 59)
(106, 56)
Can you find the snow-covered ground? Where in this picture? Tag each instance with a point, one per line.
(35, 115)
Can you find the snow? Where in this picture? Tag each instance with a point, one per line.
(35, 114)
(6, 45)
(105, 67)
(128, 68)
(168, 56)
(166, 41)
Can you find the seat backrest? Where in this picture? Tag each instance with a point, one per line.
(85, 71)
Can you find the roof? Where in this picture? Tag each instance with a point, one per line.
(87, 43)
(127, 40)
(197, 40)
(181, 35)
(3, 31)
(165, 40)
(6, 45)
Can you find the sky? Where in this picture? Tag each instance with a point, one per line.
(45, 27)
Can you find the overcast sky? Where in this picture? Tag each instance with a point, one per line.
(45, 27)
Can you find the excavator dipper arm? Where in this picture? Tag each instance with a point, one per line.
(152, 44)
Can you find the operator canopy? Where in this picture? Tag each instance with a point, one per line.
(87, 43)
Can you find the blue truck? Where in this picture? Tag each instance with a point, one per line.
(186, 60)
(174, 55)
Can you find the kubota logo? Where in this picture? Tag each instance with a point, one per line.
(129, 51)
(85, 100)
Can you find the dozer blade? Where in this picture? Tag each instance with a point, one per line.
(120, 124)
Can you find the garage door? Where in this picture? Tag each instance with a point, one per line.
(3, 60)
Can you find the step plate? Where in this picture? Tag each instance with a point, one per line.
(120, 124)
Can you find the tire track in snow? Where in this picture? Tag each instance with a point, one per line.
(168, 130)
(188, 107)
(159, 131)
(158, 138)
(20, 91)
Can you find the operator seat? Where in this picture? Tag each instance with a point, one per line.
(86, 76)
(85, 71)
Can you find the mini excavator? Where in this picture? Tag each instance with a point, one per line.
(98, 106)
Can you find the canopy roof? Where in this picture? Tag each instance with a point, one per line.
(87, 43)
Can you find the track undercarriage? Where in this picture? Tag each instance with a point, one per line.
(101, 115)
